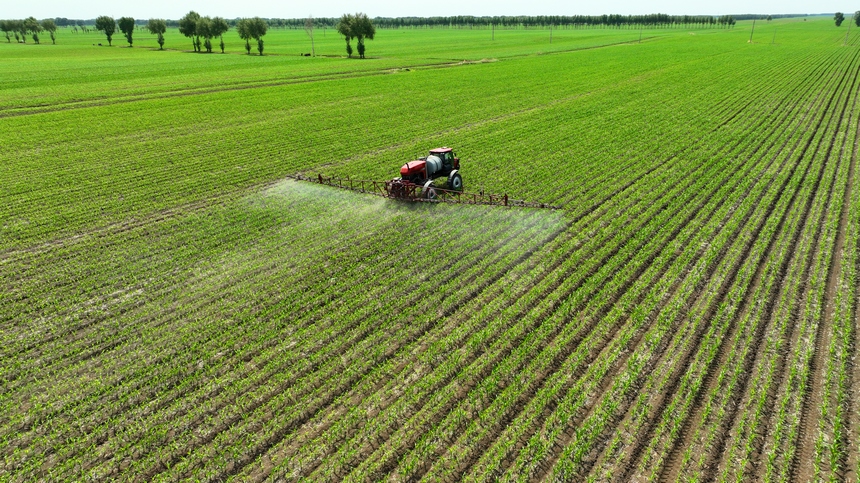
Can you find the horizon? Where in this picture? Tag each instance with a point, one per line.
(779, 15)
(42, 9)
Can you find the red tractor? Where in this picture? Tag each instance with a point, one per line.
(416, 177)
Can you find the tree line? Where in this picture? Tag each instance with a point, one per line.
(356, 27)
(195, 27)
(542, 21)
(192, 25)
(460, 21)
(467, 21)
(751, 16)
(29, 26)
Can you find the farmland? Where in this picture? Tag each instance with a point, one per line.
(174, 306)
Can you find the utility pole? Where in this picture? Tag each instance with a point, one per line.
(640, 32)
(493, 27)
(774, 37)
(309, 29)
(846, 34)
(550, 32)
(751, 32)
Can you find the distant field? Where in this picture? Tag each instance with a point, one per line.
(175, 307)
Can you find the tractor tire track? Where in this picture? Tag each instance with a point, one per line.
(851, 464)
(561, 444)
(720, 256)
(801, 465)
(233, 86)
(672, 470)
(717, 453)
(792, 335)
(659, 405)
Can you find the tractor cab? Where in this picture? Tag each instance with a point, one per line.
(449, 159)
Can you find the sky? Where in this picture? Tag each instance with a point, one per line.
(174, 9)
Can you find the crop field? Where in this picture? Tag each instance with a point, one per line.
(175, 307)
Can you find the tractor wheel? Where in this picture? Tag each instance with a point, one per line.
(455, 181)
(429, 192)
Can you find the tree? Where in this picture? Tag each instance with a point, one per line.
(16, 26)
(252, 28)
(839, 18)
(7, 27)
(857, 18)
(363, 29)
(357, 27)
(209, 28)
(31, 25)
(218, 28)
(244, 31)
(126, 26)
(309, 29)
(188, 28)
(20, 30)
(769, 18)
(107, 25)
(344, 27)
(204, 27)
(51, 27)
(157, 26)
(258, 28)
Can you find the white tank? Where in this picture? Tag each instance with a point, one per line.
(434, 165)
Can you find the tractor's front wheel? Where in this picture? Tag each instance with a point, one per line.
(429, 192)
(455, 181)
